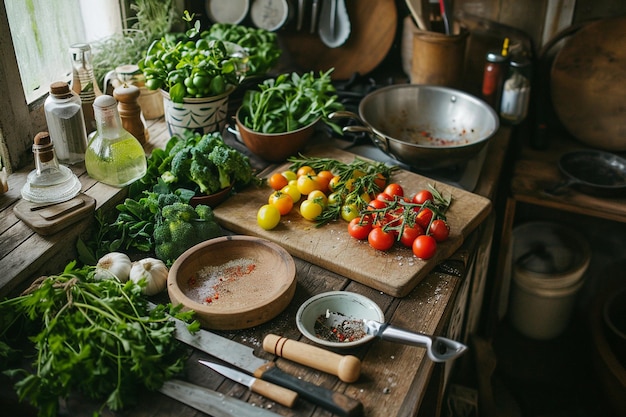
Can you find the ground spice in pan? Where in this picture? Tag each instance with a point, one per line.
(348, 330)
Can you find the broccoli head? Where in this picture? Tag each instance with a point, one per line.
(204, 173)
(180, 227)
(232, 166)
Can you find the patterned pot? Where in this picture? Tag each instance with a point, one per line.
(202, 115)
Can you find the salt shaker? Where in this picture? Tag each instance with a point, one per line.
(516, 91)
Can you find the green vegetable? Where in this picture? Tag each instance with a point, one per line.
(186, 66)
(99, 338)
(289, 102)
(261, 45)
(205, 163)
(181, 227)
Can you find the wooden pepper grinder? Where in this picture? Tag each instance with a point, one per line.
(130, 111)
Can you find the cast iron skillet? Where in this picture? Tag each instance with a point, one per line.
(592, 172)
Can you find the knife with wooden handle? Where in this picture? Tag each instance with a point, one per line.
(242, 356)
(274, 392)
(345, 367)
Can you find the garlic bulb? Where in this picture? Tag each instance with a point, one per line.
(113, 265)
(154, 271)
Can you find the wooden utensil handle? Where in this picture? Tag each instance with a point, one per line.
(345, 367)
(275, 392)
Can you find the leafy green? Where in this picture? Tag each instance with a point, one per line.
(289, 102)
(260, 45)
(99, 338)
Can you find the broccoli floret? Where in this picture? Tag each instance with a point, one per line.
(167, 199)
(205, 212)
(204, 173)
(180, 227)
(232, 166)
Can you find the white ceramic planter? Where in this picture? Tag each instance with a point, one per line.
(203, 115)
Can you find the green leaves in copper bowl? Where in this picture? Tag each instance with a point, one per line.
(289, 102)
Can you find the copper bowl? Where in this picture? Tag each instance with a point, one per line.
(275, 147)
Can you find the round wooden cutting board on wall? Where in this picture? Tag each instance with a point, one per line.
(588, 84)
(373, 28)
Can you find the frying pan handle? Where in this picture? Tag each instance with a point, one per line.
(380, 142)
(342, 114)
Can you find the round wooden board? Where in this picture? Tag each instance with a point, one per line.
(373, 23)
(588, 84)
(249, 281)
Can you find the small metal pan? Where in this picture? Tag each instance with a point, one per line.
(593, 172)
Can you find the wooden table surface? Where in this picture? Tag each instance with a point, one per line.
(394, 378)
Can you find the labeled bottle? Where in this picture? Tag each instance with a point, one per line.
(493, 79)
(84, 82)
(66, 124)
(516, 91)
(113, 156)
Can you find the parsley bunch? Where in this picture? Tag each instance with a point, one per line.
(99, 338)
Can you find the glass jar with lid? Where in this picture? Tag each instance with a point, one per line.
(516, 91)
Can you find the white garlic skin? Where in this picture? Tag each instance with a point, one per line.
(113, 265)
(154, 271)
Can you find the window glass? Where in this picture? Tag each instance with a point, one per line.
(43, 30)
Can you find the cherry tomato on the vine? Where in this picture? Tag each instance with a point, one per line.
(409, 234)
(440, 230)
(380, 239)
(384, 197)
(424, 247)
(359, 228)
(394, 189)
(423, 217)
(422, 196)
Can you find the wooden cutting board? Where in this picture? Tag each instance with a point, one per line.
(395, 272)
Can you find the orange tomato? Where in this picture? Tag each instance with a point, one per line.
(277, 181)
(324, 177)
(305, 170)
(282, 201)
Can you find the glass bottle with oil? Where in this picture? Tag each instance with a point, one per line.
(113, 156)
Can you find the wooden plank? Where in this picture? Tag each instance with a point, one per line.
(395, 272)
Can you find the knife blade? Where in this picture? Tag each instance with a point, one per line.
(267, 389)
(211, 402)
(242, 357)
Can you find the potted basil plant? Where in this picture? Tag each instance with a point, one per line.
(195, 77)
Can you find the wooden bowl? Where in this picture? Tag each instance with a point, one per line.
(211, 200)
(275, 147)
(233, 282)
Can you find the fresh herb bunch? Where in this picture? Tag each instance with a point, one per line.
(260, 45)
(99, 338)
(356, 179)
(289, 102)
(188, 66)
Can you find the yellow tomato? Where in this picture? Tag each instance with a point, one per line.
(268, 217)
(292, 190)
(309, 209)
(319, 197)
(308, 183)
(290, 175)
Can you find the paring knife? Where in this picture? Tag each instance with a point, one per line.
(267, 389)
(242, 357)
(211, 402)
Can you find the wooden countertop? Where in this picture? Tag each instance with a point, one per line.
(394, 378)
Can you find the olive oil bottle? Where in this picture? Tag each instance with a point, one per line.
(113, 156)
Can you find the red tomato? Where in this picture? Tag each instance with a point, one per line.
(440, 230)
(384, 197)
(359, 228)
(394, 189)
(376, 204)
(409, 234)
(422, 196)
(423, 218)
(380, 240)
(424, 247)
